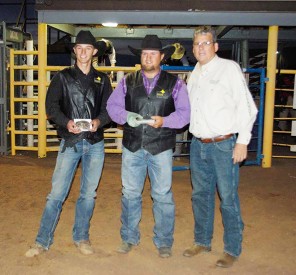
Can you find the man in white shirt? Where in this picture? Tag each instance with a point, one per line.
(222, 117)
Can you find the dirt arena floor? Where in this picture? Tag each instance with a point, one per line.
(268, 200)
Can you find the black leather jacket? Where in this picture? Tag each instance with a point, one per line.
(72, 95)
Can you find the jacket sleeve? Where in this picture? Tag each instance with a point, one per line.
(53, 101)
(103, 115)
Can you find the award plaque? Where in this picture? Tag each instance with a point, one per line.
(83, 124)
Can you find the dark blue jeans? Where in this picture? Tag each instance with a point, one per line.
(212, 166)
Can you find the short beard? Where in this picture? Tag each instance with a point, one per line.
(148, 68)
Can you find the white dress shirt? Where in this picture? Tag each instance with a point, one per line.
(221, 102)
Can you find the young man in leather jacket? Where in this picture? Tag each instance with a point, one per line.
(76, 93)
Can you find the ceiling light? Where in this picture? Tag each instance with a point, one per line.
(110, 24)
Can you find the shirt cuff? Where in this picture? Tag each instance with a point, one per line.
(244, 138)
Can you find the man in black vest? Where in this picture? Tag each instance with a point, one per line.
(76, 102)
(151, 104)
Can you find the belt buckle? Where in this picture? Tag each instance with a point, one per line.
(223, 137)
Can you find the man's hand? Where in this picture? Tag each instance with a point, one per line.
(157, 123)
(95, 125)
(132, 119)
(72, 127)
(239, 153)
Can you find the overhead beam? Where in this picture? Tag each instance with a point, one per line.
(67, 28)
(259, 35)
(169, 5)
(167, 18)
(222, 30)
(184, 33)
(139, 33)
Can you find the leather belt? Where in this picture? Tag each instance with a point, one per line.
(215, 139)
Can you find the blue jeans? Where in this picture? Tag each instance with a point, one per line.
(134, 171)
(212, 165)
(92, 159)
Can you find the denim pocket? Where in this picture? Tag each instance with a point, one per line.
(61, 147)
(226, 145)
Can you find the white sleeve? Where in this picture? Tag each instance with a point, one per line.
(246, 110)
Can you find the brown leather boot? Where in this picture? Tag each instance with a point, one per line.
(124, 247)
(226, 261)
(195, 249)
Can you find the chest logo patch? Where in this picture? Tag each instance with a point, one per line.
(98, 80)
(161, 93)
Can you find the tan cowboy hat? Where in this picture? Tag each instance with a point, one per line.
(152, 42)
(179, 51)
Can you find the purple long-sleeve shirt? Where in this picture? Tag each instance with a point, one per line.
(178, 119)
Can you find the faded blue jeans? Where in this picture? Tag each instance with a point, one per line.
(92, 159)
(212, 166)
(134, 171)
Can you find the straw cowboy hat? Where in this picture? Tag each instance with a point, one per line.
(86, 37)
(152, 42)
(179, 51)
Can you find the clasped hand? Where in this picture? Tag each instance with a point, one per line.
(73, 128)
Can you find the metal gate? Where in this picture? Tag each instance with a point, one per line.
(256, 79)
(284, 133)
(29, 122)
(9, 38)
(19, 122)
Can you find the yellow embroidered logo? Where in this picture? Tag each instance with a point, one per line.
(161, 93)
(98, 80)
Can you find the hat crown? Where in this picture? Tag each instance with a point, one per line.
(85, 37)
(151, 41)
(179, 51)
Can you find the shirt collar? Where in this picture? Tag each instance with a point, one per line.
(81, 74)
(156, 76)
(146, 81)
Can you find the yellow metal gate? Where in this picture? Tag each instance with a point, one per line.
(30, 122)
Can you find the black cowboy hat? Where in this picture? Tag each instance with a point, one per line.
(86, 37)
(152, 42)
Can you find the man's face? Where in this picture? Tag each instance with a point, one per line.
(150, 60)
(204, 49)
(84, 53)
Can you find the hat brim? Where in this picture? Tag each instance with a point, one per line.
(99, 45)
(167, 51)
(178, 53)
